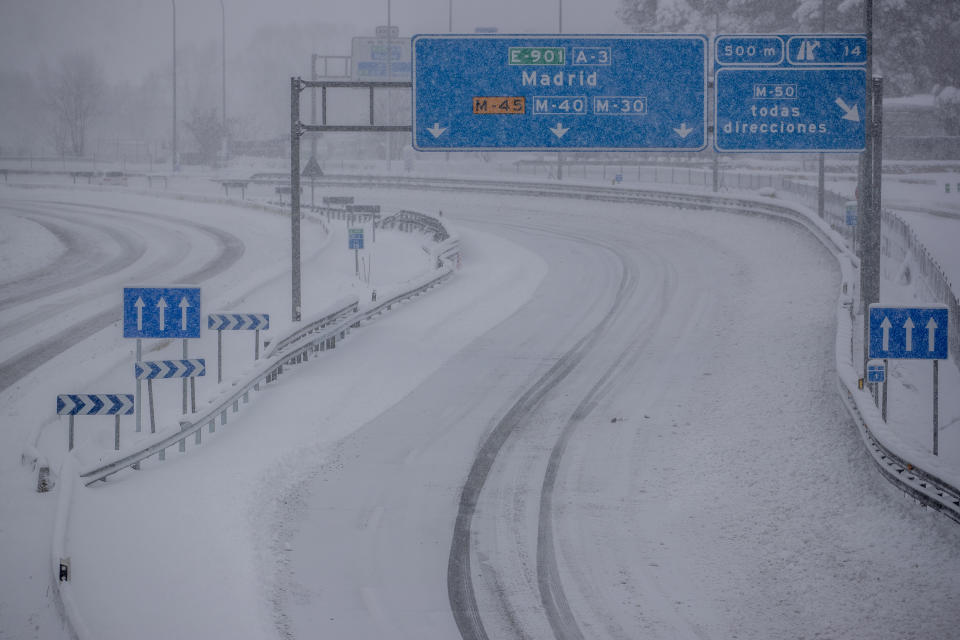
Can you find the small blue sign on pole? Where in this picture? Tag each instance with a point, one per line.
(790, 93)
(909, 332)
(161, 312)
(876, 372)
(356, 239)
(555, 92)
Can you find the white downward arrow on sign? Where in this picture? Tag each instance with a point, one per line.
(559, 130)
(850, 113)
(437, 130)
(683, 130)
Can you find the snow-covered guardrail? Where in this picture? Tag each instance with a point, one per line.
(924, 486)
(317, 335)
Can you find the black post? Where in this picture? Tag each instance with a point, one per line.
(295, 88)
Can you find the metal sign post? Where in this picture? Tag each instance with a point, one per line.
(355, 242)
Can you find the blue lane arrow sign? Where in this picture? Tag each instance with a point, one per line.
(909, 332)
(154, 369)
(238, 321)
(631, 92)
(161, 312)
(97, 404)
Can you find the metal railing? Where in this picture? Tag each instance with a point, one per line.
(318, 335)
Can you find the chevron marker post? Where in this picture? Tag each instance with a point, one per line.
(150, 370)
(237, 322)
(95, 404)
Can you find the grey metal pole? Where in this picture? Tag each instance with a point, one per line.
(219, 356)
(313, 113)
(295, 88)
(869, 226)
(821, 169)
(70, 436)
(223, 77)
(936, 405)
(886, 370)
(139, 383)
(173, 156)
(116, 432)
(185, 380)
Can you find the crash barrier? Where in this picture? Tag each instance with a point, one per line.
(316, 335)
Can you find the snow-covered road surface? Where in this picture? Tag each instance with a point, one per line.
(614, 422)
(655, 449)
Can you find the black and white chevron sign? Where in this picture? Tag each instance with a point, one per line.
(95, 404)
(238, 321)
(150, 370)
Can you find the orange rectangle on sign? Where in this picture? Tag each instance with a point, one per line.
(510, 105)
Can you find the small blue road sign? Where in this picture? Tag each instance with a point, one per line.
(151, 370)
(95, 404)
(850, 211)
(238, 321)
(790, 93)
(493, 92)
(876, 371)
(909, 332)
(161, 312)
(356, 239)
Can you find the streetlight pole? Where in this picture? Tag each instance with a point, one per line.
(223, 76)
(173, 157)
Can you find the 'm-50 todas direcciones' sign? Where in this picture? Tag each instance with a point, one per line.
(790, 93)
(553, 92)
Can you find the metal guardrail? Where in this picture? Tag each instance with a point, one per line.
(924, 486)
(297, 347)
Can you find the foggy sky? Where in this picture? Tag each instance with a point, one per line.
(133, 37)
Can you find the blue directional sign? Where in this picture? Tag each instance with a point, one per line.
(909, 332)
(791, 93)
(552, 92)
(161, 312)
(876, 371)
(356, 239)
(95, 404)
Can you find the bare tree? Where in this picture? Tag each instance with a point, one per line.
(74, 99)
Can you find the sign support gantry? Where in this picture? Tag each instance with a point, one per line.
(297, 129)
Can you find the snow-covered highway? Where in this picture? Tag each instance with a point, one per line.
(616, 421)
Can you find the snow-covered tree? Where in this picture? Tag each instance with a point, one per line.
(74, 99)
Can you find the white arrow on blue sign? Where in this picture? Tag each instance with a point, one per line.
(161, 312)
(95, 404)
(909, 332)
(154, 369)
(238, 321)
(790, 93)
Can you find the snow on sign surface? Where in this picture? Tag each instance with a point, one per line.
(559, 92)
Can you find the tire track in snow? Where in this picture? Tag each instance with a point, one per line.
(229, 249)
(459, 577)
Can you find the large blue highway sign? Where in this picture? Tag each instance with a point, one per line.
(161, 312)
(551, 92)
(909, 332)
(790, 93)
